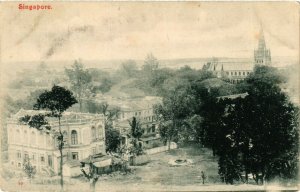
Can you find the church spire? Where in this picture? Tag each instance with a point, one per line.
(261, 41)
(262, 56)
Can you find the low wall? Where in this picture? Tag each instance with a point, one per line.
(160, 149)
(142, 159)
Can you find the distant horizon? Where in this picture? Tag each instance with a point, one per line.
(138, 59)
(114, 64)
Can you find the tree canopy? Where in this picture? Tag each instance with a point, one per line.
(55, 101)
(80, 79)
(259, 133)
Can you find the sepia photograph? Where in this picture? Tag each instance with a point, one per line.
(149, 96)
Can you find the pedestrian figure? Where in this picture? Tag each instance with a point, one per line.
(21, 181)
(203, 176)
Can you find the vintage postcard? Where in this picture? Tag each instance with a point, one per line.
(149, 96)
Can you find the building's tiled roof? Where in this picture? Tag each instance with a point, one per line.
(70, 117)
(231, 66)
(236, 66)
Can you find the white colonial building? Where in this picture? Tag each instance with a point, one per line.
(143, 109)
(84, 135)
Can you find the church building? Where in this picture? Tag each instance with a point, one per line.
(262, 56)
(236, 70)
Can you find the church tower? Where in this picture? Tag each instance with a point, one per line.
(262, 56)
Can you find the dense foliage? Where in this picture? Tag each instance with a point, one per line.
(79, 79)
(252, 135)
(55, 102)
(135, 134)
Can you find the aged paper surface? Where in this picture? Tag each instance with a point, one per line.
(121, 60)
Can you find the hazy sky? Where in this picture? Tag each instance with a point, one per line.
(123, 30)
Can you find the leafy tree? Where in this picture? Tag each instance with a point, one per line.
(79, 79)
(188, 74)
(149, 75)
(110, 113)
(203, 74)
(135, 135)
(260, 131)
(129, 68)
(165, 129)
(230, 141)
(150, 64)
(208, 108)
(275, 131)
(55, 101)
(173, 111)
(31, 98)
(91, 173)
(29, 169)
(106, 85)
(192, 129)
(112, 139)
(157, 80)
(98, 75)
(229, 167)
(112, 136)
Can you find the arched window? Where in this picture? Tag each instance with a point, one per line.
(74, 139)
(93, 132)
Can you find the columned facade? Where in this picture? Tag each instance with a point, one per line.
(41, 147)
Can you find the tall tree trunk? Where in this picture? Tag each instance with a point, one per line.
(246, 175)
(61, 157)
(245, 160)
(214, 151)
(93, 185)
(61, 170)
(256, 178)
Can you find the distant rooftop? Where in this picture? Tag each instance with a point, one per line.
(68, 117)
(230, 66)
(241, 95)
